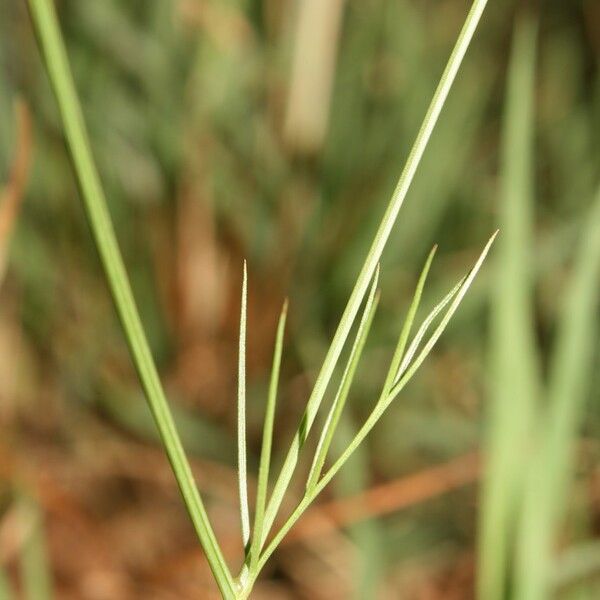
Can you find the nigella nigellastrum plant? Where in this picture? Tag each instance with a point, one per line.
(258, 536)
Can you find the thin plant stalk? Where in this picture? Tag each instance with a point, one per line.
(53, 50)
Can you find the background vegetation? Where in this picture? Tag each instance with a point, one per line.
(275, 132)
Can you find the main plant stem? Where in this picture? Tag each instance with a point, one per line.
(53, 50)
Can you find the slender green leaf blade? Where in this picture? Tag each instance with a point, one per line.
(6, 589)
(570, 373)
(424, 328)
(35, 570)
(241, 415)
(394, 369)
(265, 454)
(457, 295)
(514, 370)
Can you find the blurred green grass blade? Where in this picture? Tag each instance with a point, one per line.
(373, 257)
(570, 374)
(394, 369)
(241, 415)
(6, 589)
(457, 295)
(52, 48)
(267, 441)
(341, 396)
(35, 570)
(514, 370)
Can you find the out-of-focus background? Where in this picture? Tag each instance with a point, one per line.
(275, 130)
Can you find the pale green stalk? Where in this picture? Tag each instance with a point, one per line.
(373, 257)
(53, 50)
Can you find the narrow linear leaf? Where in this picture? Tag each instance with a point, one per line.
(341, 396)
(241, 416)
(407, 325)
(267, 440)
(6, 589)
(51, 45)
(379, 409)
(35, 569)
(373, 258)
(457, 295)
(515, 379)
(570, 373)
(424, 328)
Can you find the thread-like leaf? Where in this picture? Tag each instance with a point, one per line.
(514, 376)
(52, 48)
(341, 396)
(6, 589)
(407, 325)
(34, 566)
(570, 373)
(265, 453)
(241, 415)
(372, 259)
(458, 293)
(423, 329)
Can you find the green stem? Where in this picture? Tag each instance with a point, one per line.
(52, 47)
